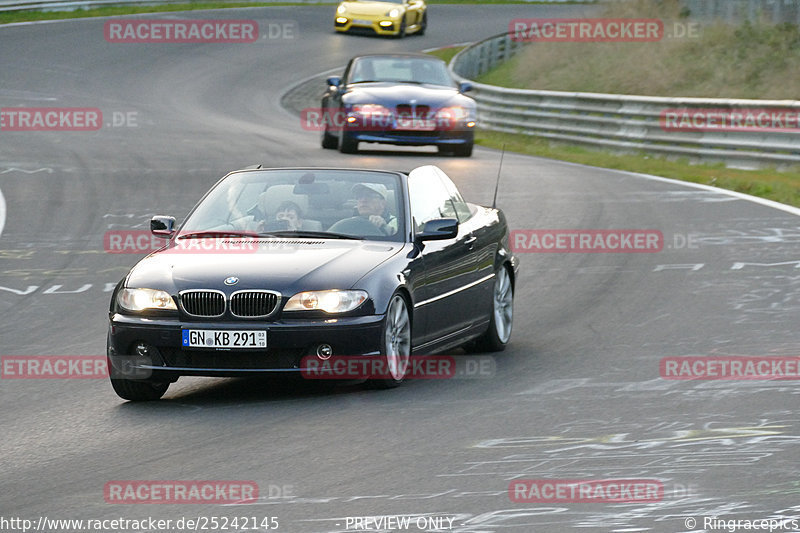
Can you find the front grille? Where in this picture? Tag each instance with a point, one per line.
(419, 111)
(232, 359)
(253, 304)
(204, 303)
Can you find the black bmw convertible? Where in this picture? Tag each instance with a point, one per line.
(276, 267)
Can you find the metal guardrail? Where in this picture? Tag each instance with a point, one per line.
(621, 122)
(738, 10)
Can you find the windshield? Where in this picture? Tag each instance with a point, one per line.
(292, 203)
(400, 69)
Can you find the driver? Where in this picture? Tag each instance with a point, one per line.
(371, 198)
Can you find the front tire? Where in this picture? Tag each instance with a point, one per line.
(463, 150)
(347, 145)
(139, 391)
(329, 142)
(502, 319)
(402, 31)
(396, 345)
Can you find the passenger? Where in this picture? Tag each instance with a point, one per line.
(291, 213)
(288, 217)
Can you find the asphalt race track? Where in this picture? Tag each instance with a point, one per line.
(577, 395)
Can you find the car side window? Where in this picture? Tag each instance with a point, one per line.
(429, 200)
(463, 212)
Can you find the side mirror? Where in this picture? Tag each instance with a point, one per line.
(334, 81)
(439, 229)
(464, 87)
(162, 226)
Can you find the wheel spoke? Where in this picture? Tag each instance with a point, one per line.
(503, 305)
(397, 339)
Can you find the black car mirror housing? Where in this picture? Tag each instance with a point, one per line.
(439, 229)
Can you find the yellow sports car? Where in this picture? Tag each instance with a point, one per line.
(385, 17)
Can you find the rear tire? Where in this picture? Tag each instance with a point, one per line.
(423, 25)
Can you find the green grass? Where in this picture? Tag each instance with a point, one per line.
(446, 53)
(781, 186)
(755, 60)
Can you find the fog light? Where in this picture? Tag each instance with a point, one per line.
(341, 20)
(142, 349)
(385, 23)
(324, 351)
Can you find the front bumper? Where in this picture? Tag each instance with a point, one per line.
(288, 342)
(415, 138)
(362, 24)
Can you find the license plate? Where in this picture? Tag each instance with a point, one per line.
(212, 338)
(415, 124)
(361, 22)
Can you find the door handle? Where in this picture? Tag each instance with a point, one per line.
(470, 242)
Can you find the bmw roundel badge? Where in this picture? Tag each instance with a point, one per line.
(233, 280)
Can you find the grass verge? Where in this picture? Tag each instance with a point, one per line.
(769, 183)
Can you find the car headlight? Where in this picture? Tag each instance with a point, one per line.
(369, 116)
(371, 109)
(144, 299)
(332, 301)
(456, 113)
(393, 13)
(342, 9)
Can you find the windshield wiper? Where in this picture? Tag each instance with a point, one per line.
(313, 234)
(222, 234)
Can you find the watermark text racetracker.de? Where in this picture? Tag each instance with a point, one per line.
(374, 117)
(352, 367)
(585, 490)
(63, 119)
(166, 492)
(53, 366)
(107, 525)
(586, 241)
(605, 30)
(144, 241)
(730, 368)
(743, 119)
(198, 31)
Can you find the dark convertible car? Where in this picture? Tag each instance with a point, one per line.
(274, 266)
(401, 99)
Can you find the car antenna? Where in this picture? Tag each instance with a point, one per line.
(499, 169)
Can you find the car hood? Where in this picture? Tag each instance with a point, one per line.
(372, 9)
(281, 265)
(391, 94)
